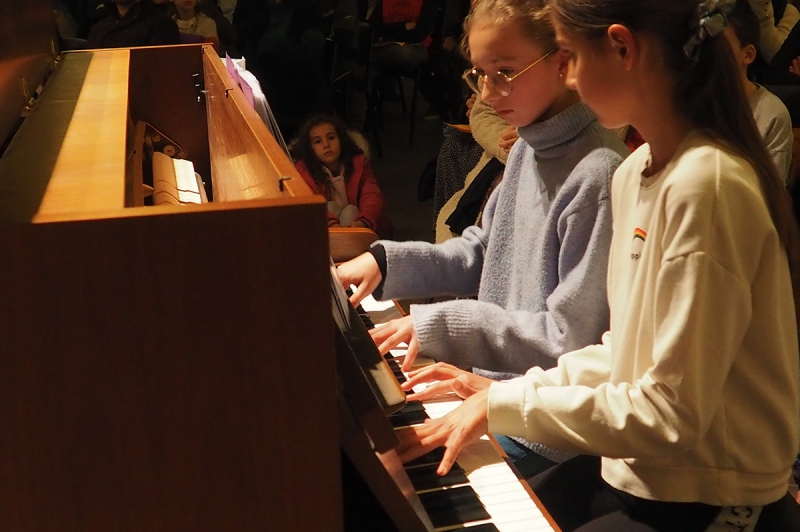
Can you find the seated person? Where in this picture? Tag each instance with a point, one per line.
(193, 22)
(776, 20)
(495, 136)
(332, 164)
(134, 23)
(402, 34)
(771, 116)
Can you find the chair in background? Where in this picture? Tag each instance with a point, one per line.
(375, 99)
(349, 242)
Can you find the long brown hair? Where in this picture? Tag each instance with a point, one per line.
(708, 91)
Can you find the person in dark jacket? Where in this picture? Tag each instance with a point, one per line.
(133, 23)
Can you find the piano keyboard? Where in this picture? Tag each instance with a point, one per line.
(482, 493)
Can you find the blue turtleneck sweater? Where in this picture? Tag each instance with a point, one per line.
(538, 264)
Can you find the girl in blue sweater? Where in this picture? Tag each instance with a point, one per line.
(538, 263)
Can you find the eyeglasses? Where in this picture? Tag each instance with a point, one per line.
(499, 81)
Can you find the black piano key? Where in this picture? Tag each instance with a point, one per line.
(365, 319)
(398, 373)
(426, 478)
(434, 457)
(413, 413)
(454, 506)
(413, 406)
(407, 419)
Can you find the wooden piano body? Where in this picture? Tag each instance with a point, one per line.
(162, 368)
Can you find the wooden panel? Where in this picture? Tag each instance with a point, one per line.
(91, 161)
(349, 242)
(162, 93)
(150, 381)
(69, 154)
(27, 44)
(247, 161)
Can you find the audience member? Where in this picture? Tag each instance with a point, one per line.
(65, 22)
(134, 23)
(494, 137)
(193, 22)
(227, 8)
(777, 21)
(771, 116)
(225, 30)
(402, 33)
(283, 42)
(334, 165)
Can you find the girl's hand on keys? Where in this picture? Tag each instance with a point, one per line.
(394, 333)
(460, 427)
(364, 273)
(451, 379)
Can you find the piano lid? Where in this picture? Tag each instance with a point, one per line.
(28, 48)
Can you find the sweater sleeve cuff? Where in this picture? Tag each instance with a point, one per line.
(379, 254)
(506, 411)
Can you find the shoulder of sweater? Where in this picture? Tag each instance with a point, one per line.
(594, 171)
(588, 185)
(705, 172)
(768, 107)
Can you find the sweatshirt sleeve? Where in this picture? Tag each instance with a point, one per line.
(775, 125)
(486, 336)
(773, 35)
(421, 269)
(661, 414)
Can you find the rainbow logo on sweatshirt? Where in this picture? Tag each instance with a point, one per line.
(639, 236)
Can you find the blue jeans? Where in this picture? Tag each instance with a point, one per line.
(526, 461)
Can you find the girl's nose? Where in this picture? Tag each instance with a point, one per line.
(489, 95)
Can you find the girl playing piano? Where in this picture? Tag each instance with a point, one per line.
(692, 397)
(538, 263)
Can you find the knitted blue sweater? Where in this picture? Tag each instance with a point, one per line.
(538, 265)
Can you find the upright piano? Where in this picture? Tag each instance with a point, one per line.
(172, 367)
(164, 368)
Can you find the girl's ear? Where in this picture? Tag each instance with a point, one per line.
(623, 44)
(750, 54)
(562, 57)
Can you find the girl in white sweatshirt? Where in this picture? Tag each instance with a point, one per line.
(692, 399)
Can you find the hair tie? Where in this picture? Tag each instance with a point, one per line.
(711, 20)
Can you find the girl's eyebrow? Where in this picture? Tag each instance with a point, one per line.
(500, 60)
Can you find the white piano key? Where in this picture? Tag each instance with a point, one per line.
(370, 304)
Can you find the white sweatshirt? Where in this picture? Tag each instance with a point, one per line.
(693, 395)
